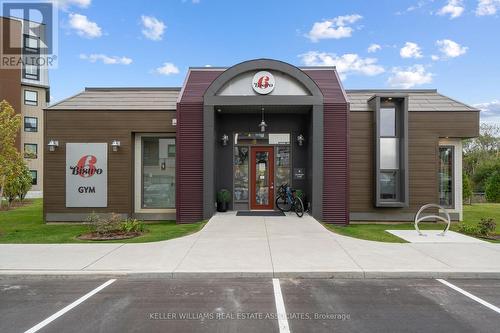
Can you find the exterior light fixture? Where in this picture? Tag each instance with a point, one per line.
(53, 144)
(174, 121)
(115, 145)
(300, 140)
(224, 139)
(262, 124)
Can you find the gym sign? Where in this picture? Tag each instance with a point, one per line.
(263, 82)
(86, 175)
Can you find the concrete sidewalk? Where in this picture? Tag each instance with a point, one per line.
(231, 246)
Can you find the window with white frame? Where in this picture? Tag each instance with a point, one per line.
(31, 97)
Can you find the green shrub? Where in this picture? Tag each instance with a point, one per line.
(492, 188)
(104, 225)
(132, 225)
(486, 226)
(224, 196)
(468, 229)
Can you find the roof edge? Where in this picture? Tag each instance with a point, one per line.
(132, 88)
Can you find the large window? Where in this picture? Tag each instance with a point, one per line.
(30, 124)
(158, 173)
(391, 155)
(446, 155)
(31, 56)
(31, 97)
(30, 150)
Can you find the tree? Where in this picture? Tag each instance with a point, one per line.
(493, 187)
(11, 162)
(484, 147)
(466, 187)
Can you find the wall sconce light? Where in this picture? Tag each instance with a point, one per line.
(224, 139)
(115, 145)
(300, 140)
(53, 144)
(174, 121)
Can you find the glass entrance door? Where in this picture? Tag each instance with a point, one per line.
(262, 178)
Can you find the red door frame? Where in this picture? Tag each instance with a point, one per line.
(253, 201)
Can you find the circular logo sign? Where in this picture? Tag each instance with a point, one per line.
(263, 82)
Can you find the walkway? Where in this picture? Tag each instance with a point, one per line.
(231, 246)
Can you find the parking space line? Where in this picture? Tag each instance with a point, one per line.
(69, 307)
(280, 307)
(475, 298)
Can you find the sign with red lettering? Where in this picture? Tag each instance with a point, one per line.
(86, 175)
(263, 82)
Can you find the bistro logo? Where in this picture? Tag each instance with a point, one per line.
(86, 167)
(263, 82)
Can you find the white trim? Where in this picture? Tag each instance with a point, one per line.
(138, 177)
(457, 174)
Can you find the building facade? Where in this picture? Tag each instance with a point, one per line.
(164, 153)
(26, 88)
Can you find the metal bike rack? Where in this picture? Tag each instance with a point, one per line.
(418, 218)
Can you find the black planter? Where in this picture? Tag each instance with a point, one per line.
(222, 206)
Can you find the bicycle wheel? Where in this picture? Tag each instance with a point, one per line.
(283, 204)
(299, 207)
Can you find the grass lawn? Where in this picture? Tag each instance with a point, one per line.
(376, 232)
(25, 225)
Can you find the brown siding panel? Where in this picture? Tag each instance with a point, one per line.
(424, 131)
(189, 163)
(189, 167)
(98, 126)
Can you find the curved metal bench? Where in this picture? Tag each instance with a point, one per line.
(419, 218)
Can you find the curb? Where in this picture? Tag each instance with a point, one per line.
(37, 274)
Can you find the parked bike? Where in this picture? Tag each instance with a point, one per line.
(287, 200)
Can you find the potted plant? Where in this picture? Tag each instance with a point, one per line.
(223, 199)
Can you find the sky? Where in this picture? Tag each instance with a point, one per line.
(450, 45)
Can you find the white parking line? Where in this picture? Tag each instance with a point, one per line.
(477, 299)
(280, 307)
(69, 307)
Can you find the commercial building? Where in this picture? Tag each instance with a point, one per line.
(26, 88)
(163, 153)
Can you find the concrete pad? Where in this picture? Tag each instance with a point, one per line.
(162, 256)
(466, 257)
(386, 256)
(52, 256)
(227, 254)
(433, 236)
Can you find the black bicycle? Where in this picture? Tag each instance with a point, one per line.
(287, 200)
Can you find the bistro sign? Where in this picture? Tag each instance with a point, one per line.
(263, 82)
(86, 174)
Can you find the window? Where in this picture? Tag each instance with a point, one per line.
(387, 122)
(34, 177)
(30, 150)
(31, 44)
(30, 124)
(446, 193)
(31, 72)
(30, 97)
(390, 154)
(158, 173)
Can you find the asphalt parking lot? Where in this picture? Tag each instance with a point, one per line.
(126, 304)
